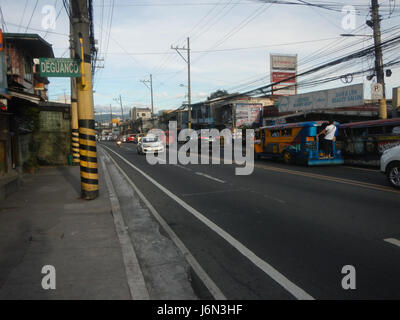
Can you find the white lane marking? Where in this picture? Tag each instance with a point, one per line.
(275, 199)
(364, 169)
(204, 277)
(182, 167)
(209, 177)
(394, 241)
(211, 192)
(291, 287)
(134, 275)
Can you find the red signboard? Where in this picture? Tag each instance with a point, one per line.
(282, 76)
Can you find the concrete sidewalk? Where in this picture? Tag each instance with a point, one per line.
(46, 223)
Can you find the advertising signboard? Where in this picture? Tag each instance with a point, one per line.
(247, 114)
(326, 99)
(283, 67)
(280, 76)
(284, 62)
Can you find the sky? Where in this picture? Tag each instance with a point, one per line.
(230, 42)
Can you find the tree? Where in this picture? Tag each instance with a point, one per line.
(217, 94)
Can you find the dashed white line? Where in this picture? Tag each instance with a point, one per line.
(288, 285)
(182, 167)
(209, 177)
(394, 241)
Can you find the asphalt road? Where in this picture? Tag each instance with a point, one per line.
(293, 227)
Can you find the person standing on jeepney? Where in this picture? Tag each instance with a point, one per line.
(329, 138)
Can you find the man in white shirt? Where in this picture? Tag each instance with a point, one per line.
(329, 138)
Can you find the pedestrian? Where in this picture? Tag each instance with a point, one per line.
(329, 138)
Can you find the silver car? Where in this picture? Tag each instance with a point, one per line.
(150, 144)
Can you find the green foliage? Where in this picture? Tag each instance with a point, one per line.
(217, 94)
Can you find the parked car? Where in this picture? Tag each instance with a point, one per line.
(390, 165)
(150, 144)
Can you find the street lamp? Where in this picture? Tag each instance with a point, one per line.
(355, 35)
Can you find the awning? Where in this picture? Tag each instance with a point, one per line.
(24, 96)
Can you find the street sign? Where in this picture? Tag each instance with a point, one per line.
(59, 67)
(376, 91)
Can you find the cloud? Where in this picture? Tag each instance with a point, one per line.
(140, 31)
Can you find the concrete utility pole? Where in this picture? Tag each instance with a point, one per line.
(87, 134)
(74, 103)
(151, 92)
(187, 60)
(122, 109)
(110, 116)
(380, 76)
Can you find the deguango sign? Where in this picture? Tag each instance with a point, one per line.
(348, 96)
(59, 67)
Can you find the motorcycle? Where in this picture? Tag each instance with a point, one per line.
(119, 143)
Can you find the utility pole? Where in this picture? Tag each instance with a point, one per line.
(122, 109)
(187, 60)
(79, 17)
(151, 91)
(110, 116)
(380, 76)
(74, 103)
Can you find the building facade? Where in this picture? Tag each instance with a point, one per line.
(140, 113)
(33, 130)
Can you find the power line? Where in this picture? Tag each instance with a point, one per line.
(34, 9)
(23, 15)
(39, 30)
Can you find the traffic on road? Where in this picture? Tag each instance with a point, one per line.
(288, 230)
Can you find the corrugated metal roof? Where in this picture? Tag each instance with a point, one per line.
(37, 46)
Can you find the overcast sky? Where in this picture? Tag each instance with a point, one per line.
(142, 32)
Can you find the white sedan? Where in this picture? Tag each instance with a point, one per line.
(150, 144)
(390, 165)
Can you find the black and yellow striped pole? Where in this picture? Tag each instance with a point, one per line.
(74, 106)
(87, 132)
(74, 124)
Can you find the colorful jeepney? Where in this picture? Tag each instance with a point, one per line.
(363, 143)
(294, 143)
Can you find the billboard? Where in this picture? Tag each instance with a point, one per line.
(283, 70)
(284, 62)
(247, 114)
(348, 96)
(282, 76)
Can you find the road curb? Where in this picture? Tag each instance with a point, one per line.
(213, 289)
(134, 275)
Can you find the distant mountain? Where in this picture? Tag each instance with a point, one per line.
(105, 117)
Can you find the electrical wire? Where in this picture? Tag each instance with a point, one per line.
(30, 19)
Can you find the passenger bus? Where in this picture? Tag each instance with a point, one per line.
(294, 143)
(364, 142)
